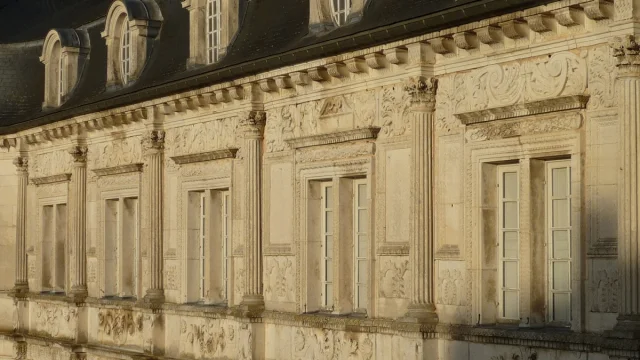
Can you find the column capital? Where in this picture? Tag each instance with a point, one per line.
(153, 141)
(627, 53)
(21, 163)
(79, 154)
(253, 122)
(422, 91)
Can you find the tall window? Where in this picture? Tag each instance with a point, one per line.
(54, 237)
(340, 10)
(361, 241)
(125, 51)
(121, 250)
(559, 240)
(61, 75)
(213, 30)
(209, 246)
(509, 224)
(327, 245)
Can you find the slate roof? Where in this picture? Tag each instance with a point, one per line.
(272, 34)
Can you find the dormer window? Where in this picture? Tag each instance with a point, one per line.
(212, 26)
(340, 10)
(327, 15)
(130, 27)
(213, 31)
(63, 55)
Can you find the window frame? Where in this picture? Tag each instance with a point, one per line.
(213, 33)
(124, 53)
(327, 303)
(357, 207)
(57, 288)
(119, 291)
(340, 10)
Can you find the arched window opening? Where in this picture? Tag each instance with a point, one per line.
(340, 10)
(125, 52)
(213, 31)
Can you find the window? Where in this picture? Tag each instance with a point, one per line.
(361, 240)
(209, 246)
(508, 194)
(125, 52)
(213, 31)
(64, 54)
(54, 237)
(559, 240)
(212, 26)
(121, 247)
(338, 242)
(340, 10)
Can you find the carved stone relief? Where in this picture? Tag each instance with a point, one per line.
(450, 286)
(171, 276)
(394, 105)
(211, 338)
(602, 75)
(54, 320)
(311, 343)
(119, 325)
(510, 128)
(604, 287)
(280, 279)
(202, 137)
(395, 278)
(50, 163)
(115, 152)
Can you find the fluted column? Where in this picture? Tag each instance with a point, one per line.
(422, 92)
(78, 214)
(154, 151)
(626, 51)
(252, 125)
(21, 286)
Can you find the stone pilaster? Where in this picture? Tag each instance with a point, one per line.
(422, 92)
(154, 150)
(21, 286)
(78, 215)
(252, 125)
(627, 51)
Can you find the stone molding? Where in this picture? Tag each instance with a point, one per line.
(205, 156)
(627, 53)
(117, 170)
(334, 138)
(390, 249)
(562, 103)
(604, 248)
(51, 179)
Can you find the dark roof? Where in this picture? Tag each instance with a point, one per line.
(272, 34)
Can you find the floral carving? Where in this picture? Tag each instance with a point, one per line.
(282, 125)
(49, 318)
(172, 277)
(422, 92)
(326, 344)
(119, 324)
(394, 279)
(117, 152)
(208, 339)
(394, 107)
(280, 275)
(202, 137)
(153, 141)
(79, 154)
(564, 73)
(605, 291)
(602, 75)
(512, 128)
(450, 284)
(51, 163)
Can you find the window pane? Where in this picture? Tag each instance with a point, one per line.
(510, 215)
(363, 245)
(560, 182)
(561, 275)
(328, 224)
(561, 213)
(328, 197)
(328, 291)
(362, 271)
(510, 274)
(363, 220)
(561, 248)
(510, 305)
(510, 246)
(562, 307)
(362, 297)
(328, 271)
(362, 195)
(510, 188)
(328, 246)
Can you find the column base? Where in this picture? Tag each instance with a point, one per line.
(79, 294)
(154, 296)
(627, 327)
(20, 290)
(421, 314)
(252, 305)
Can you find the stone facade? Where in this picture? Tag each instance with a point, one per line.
(430, 126)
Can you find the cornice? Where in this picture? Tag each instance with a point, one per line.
(51, 179)
(524, 109)
(334, 138)
(117, 170)
(205, 156)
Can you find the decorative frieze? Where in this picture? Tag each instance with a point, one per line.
(333, 138)
(205, 156)
(118, 170)
(51, 179)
